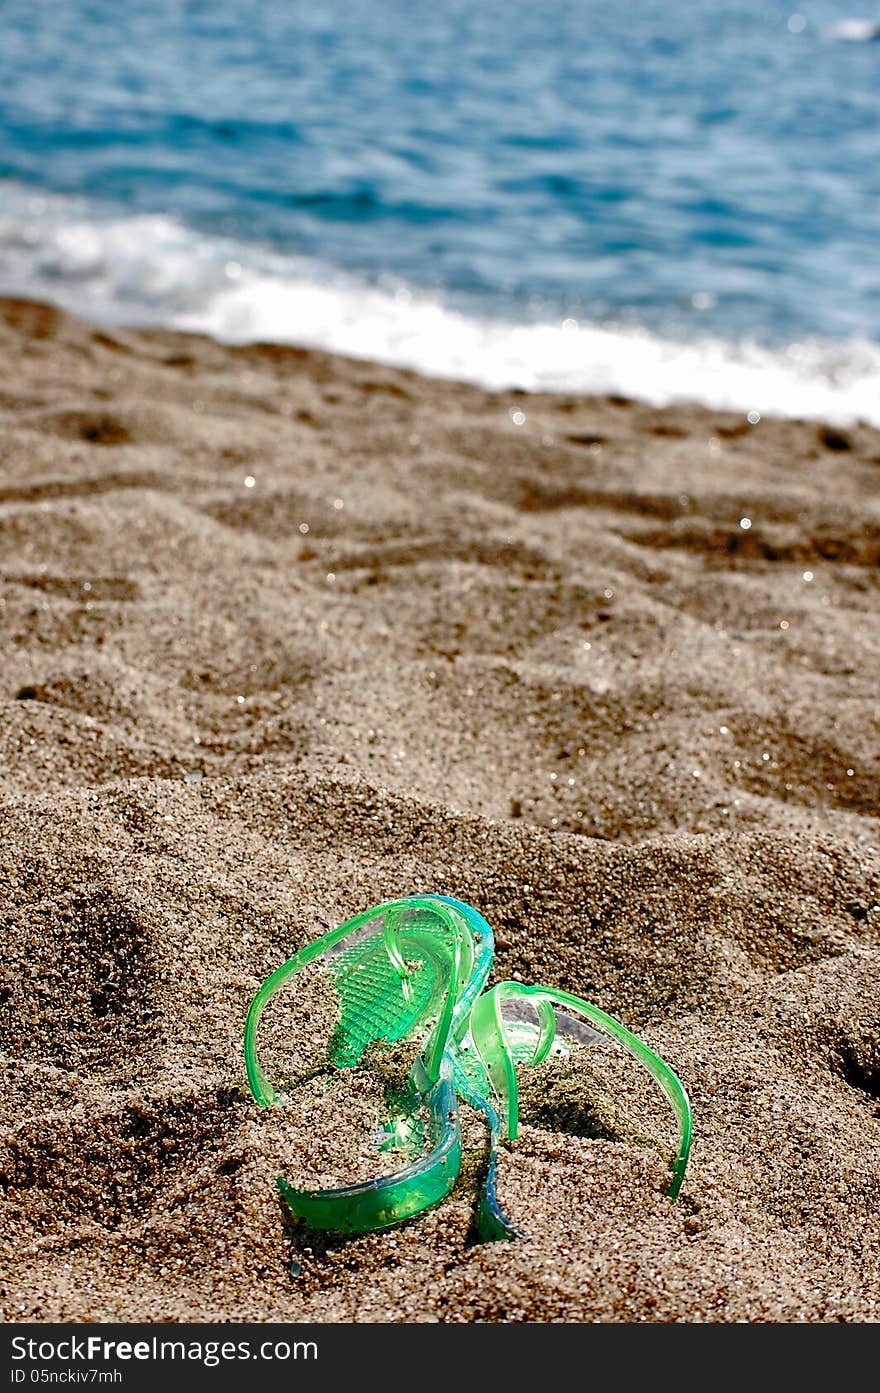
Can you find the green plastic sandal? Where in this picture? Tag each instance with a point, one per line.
(407, 971)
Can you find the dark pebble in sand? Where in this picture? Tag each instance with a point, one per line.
(834, 439)
(856, 909)
(26, 694)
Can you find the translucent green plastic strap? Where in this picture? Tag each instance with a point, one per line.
(440, 1038)
(490, 1037)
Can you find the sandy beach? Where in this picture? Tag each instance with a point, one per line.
(285, 635)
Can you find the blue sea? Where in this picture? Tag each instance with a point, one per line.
(670, 201)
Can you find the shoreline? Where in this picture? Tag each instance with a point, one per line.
(287, 634)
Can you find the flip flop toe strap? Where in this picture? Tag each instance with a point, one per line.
(491, 1033)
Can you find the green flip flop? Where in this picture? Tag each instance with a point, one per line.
(409, 975)
(403, 975)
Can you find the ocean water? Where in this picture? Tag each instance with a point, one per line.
(668, 201)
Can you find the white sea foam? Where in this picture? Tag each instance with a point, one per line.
(855, 30)
(155, 270)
